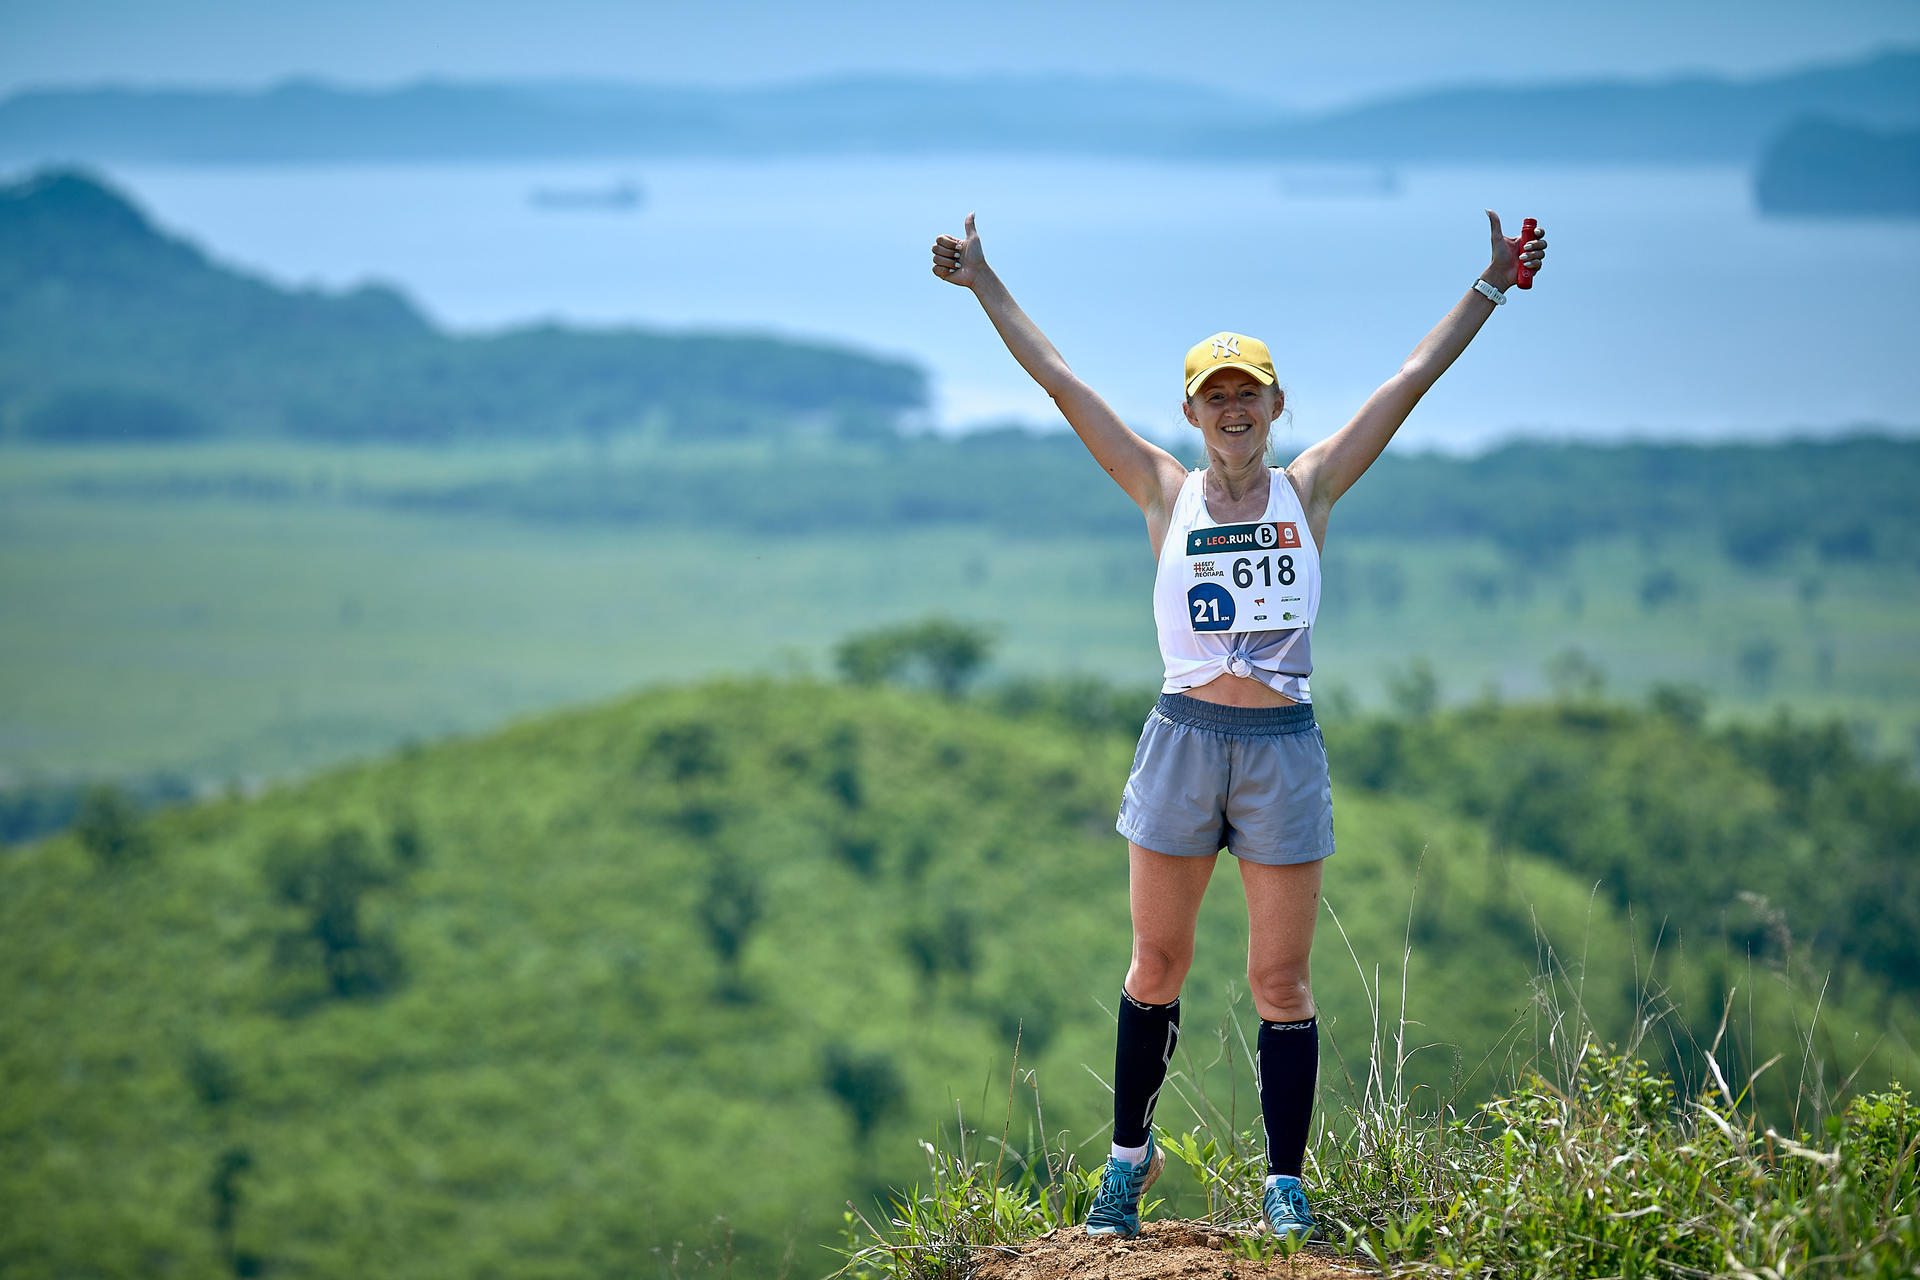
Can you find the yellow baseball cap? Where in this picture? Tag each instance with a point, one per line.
(1228, 351)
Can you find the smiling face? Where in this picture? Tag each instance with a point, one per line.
(1235, 413)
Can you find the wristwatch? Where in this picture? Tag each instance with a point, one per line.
(1498, 297)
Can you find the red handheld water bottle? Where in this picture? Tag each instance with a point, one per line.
(1522, 273)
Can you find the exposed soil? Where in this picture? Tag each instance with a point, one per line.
(1181, 1249)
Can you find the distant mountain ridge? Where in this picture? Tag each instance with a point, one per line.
(1689, 119)
(1697, 119)
(433, 119)
(111, 329)
(1821, 168)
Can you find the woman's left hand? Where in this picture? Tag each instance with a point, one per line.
(1507, 250)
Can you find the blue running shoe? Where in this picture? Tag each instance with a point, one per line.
(1116, 1210)
(1285, 1207)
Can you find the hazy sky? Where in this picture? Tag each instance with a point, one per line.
(1305, 54)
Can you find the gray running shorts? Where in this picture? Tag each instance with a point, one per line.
(1251, 780)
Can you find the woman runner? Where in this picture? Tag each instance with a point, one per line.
(1230, 756)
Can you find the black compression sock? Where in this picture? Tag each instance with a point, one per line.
(1289, 1057)
(1142, 1049)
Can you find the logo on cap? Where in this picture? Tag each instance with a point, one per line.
(1228, 350)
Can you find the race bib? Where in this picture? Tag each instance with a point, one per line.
(1244, 577)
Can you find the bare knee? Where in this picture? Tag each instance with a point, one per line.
(1281, 995)
(1156, 973)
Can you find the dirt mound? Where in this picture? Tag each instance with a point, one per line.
(1161, 1249)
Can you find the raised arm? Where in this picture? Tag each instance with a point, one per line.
(1141, 468)
(1329, 468)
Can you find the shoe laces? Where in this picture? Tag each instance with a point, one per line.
(1294, 1200)
(1119, 1188)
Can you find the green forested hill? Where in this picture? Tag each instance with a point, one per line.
(111, 330)
(546, 1002)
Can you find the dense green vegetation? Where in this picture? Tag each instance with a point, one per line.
(111, 330)
(548, 1001)
(1533, 501)
(1780, 839)
(1761, 506)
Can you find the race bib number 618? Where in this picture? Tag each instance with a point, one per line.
(1244, 577)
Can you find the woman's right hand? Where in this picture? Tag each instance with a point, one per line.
(959, 262)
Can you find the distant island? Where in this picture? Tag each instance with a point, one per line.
(112, 330)
(1684, 120)
(1823, 168)
(619, 197)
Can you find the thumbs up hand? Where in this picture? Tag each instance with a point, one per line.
(959, 261)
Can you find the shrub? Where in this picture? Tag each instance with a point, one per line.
(868, 1085)
(688, 752)
(328, 881)
(730, 910)
(109, 827)
(944, 653)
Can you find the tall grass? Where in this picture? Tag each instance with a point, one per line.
(973, 1203)
(1585, 1162)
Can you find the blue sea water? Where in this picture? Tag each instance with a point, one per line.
(1669, 307)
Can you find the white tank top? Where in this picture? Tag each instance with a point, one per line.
(1282, 658)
